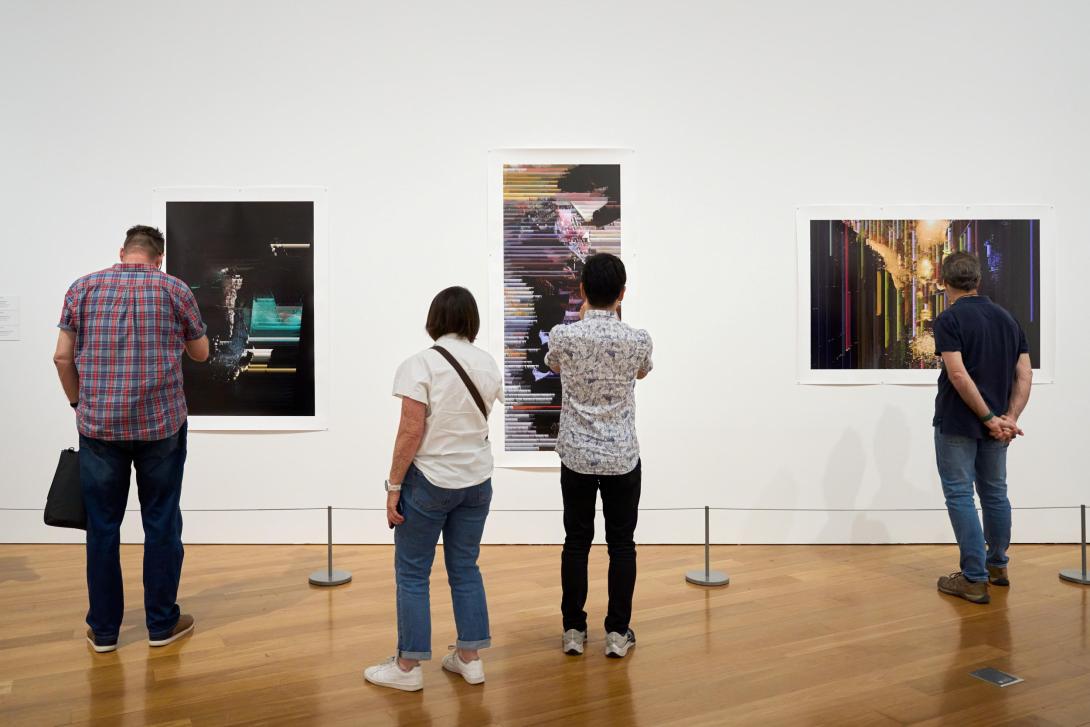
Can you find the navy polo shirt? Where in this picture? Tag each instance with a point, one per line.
(990, 342)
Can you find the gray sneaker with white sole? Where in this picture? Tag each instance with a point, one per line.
(617, 645)
(573, 642)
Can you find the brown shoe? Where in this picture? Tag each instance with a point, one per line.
(184, 626)
(997, 576)
(956, 584)
(99, 645)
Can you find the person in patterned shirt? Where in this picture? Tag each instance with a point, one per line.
(119, 358)
(599, 359)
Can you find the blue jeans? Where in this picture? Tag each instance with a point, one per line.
(459, 515)
(104, 468)
(963, 461)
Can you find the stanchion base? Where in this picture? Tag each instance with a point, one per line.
(707, 578)
(322, 578)
(1075, 576)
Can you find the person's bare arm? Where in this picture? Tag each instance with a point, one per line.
(64, 358)
(970, 394)
(410, 432)
(1023, 378)
(197, 349)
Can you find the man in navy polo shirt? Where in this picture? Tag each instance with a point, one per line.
(983, 388)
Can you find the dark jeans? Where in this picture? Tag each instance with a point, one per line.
(104, 468)
(620, 502)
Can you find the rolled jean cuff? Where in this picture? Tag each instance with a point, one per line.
(418, 655)
(473, 645)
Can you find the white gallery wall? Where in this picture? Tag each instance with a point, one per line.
(738, 113)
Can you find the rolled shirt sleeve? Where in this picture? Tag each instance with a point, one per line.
(947, 335)
(193, 327)
(70, 311)
(554, 357)
(647, 364)
(413, 380)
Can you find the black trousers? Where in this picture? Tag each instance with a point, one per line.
(620, 503)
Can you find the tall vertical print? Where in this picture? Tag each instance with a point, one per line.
(557, 208)
(251, 265)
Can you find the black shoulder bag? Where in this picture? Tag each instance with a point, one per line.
(477, 399)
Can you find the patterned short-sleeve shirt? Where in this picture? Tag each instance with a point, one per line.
(599, 358)
(131, 323)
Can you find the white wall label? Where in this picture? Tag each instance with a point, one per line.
(9, 318)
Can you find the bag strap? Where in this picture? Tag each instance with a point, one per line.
(465, 379)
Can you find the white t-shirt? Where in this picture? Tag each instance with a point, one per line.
(455, 451)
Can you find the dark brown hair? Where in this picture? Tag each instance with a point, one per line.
(453, 310)
(142, 237)
(961, 270)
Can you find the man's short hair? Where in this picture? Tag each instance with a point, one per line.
(961, 270)
(603, 279)
(148, 239)
(453, 310)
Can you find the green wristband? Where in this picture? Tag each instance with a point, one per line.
(987, 417)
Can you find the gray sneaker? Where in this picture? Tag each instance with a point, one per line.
(617, 645)
(573, 642)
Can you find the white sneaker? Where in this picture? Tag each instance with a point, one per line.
(573, 642)
(389, 674)
(471, 671)
(617, 645)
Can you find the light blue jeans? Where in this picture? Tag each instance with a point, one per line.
(459, 515)
(963, 461)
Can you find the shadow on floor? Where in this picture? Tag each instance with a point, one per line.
(16, 569)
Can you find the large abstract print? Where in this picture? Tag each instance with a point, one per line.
(875, 287)
(554, 216)
(251, 265)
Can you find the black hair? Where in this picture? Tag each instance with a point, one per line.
(603, 279)
(961, 270)
(453, 310)
(142, 237)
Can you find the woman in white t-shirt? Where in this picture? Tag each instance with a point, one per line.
(441, 482)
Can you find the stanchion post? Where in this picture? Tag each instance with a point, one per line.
(329, 577)
(707, 577)
(1079, 576)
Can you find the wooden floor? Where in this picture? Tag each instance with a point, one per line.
(837, 635)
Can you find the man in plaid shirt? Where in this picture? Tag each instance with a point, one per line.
(119, 358)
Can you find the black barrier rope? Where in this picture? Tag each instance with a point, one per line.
(876, 509)
(642, 509)
(197, 509)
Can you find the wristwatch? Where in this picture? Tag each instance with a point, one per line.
(392, 488)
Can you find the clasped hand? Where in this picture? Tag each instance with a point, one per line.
(1004, 428)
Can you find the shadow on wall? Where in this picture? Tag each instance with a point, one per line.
(844, 476)
(16, 569)
(892, 449)
(781, 491)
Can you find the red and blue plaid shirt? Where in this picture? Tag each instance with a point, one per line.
(131, 323)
